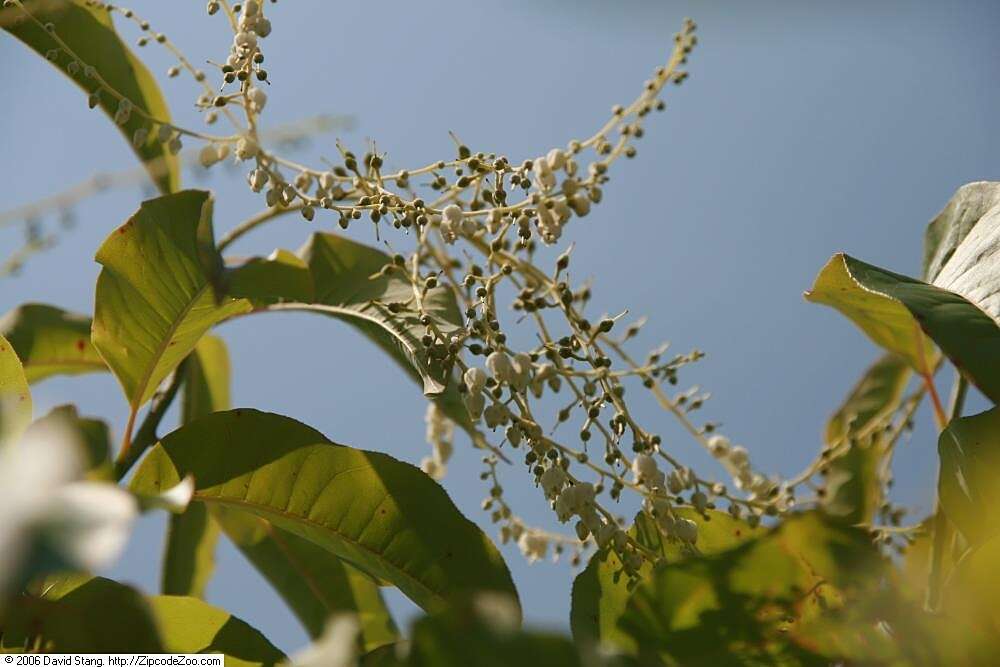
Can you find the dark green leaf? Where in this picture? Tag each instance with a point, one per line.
(893, 309)
(282, 276)
(969, 482)
(189, 557)
(86, 28)
(315, 584)
(51, 341)
(380, 514)
(343, 272)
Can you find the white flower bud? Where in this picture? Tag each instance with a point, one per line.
(475, 379)
(246, 148)
(674, 483)
(245, 40)
(139, 137)
(475, 403)
(327, 180)
(262, 27)
(552, 481)
(739, 457)
(699, 501)
(580, 204)
(533, 545)
(644, 468)
(556, 159)
(605, 534)
(257, 178)
(434, 469)
(258, 98)
(718, 445)
(500, 366)
(208, 156)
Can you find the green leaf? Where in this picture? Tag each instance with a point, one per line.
(15, 397)
(154, 293)
(86, 28)
(969, 481)
(77, 613)
(854, 481)
(189, 625)
(282, 276)
(51, 341)
(972, 603)
(602, 590)
(343, 271)
(893, 309)
(315, 584)
(755, 604)
(189, 556)
(945, 233)
(484, 631)
(382, 515)
(207, 377)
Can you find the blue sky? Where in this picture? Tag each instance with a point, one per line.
(805, 129)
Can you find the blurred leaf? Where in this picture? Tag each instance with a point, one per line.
(969, 482)
(189, 556)
(342, 271)
(947, 231)
(755, 604)
(282, 276)
(385, 516)
(77, 613)
(892, 309)
(485, 632)
(51, 341)
(315, 584)
(602, 590)
(207, 377)
(972, 603)
(93, 436)
(15, 397)
(87, 30)
(853, 482)
(188, 625)
(154, 294)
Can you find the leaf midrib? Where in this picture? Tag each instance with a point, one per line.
(268, 510)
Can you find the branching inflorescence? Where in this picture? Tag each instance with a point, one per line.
(476, 221)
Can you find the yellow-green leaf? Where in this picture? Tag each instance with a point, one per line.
(88, 32)
(282, 276)
(385, 517)
(601, 592)
(895, 311)
(969, 481)
(15, 398)
(51, 341)
(155, 295)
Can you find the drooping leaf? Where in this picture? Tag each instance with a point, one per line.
(15, 398)
(314, 583)
(893, 310)
(77, 613)
(282, 276)
(756, 603)
(969, 481)
(346, 288)
(601, 591)
(945, 233)
(101, 64)
(155, 291)
(51, 341)
(854, 481)
(188, 625)
(382, 515)
(189, 555)
(972, 603)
